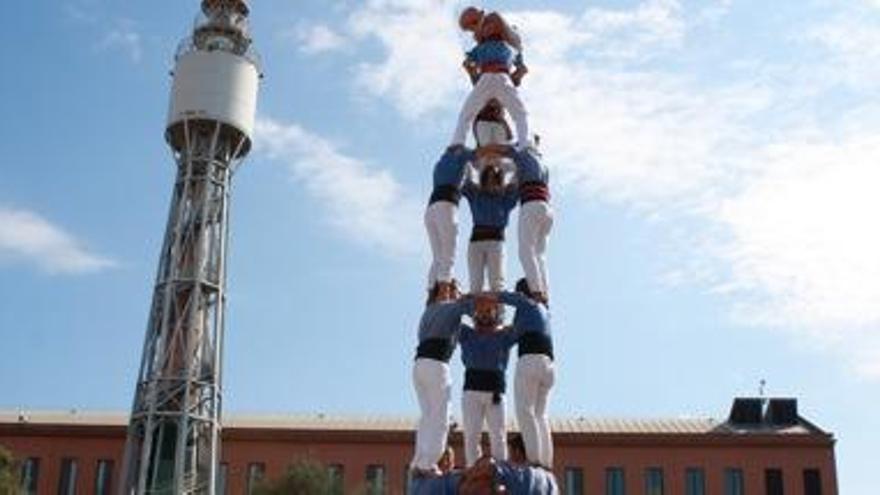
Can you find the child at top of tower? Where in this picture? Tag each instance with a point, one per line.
(496, 68)
(481, 24)
(492, 27)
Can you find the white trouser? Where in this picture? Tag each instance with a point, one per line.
(477, 407)
(535, 375)
(441, 222)
(433, 386)
(500, 87)
(486, 258)
(535, 222)
(487, 132)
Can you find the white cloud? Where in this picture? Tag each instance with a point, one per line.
(804, 244)
(125, 37)
(25, 235)
(853, 44)
(318, 39)
(633, 32)
(419, 72)
(364, 203)
(765, 178)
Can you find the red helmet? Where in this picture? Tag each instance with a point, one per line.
(470, 18)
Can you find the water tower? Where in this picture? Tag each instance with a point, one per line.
(173, 443)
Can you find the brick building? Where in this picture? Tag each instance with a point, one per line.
(762, 448)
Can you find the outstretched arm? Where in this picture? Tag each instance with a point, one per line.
(471, 69)
(465, 332)
(511, 195)
(511, 335)
(515, 299)
(519, 74)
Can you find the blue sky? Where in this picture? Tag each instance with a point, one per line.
(713, 165)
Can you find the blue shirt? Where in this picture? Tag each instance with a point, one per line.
(450, 169)
(486, 351)
(530, 316)
(529, 168)
(526, 480)
(494, 52)
(442, 485)
(443, 320)
(490, 210)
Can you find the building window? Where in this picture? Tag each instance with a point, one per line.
(222, 478)
(614, 481)
(574, 481)
(337, 477)
(695, 481)
(67, 481)
(654, 481)
(773, 482)
(375, 479)
(812, 482)
(255, 474)
(733, 481)
(104, 477)
(30, 475)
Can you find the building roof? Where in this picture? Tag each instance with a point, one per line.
(322, 422)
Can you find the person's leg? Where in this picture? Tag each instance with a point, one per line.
(497, 420)
(527, 232)
(542, 236)
(435, 434)
(418, 456)
(472, 105)
(472, 425)
(506, 93)
(548, 379)
(525, 397)
(433, 387)
(476, 266)
(434, 241)
(495, 265)
(447, 238)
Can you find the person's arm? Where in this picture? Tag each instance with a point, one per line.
(469, 189)
(465, 305)
(511, 336)
(520, 70)
(465, 332)
(511, 196)
(512, 36)
(514, 299)
(471, 64)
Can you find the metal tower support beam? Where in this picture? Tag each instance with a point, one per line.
(173, 444)
(174, 439)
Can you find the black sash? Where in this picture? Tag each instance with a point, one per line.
(485, 381)
(437, 349)
(487, 233)
(445, 193)
(535, 343)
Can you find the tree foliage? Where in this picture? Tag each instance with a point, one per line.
(303, 477)
(8, 473)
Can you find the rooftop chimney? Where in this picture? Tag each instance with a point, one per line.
(781, 412)
(746, 411)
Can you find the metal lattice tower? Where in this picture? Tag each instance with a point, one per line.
(173, 443)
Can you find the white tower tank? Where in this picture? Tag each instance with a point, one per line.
(173, 442)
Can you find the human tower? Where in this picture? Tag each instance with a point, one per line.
(501, 172)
